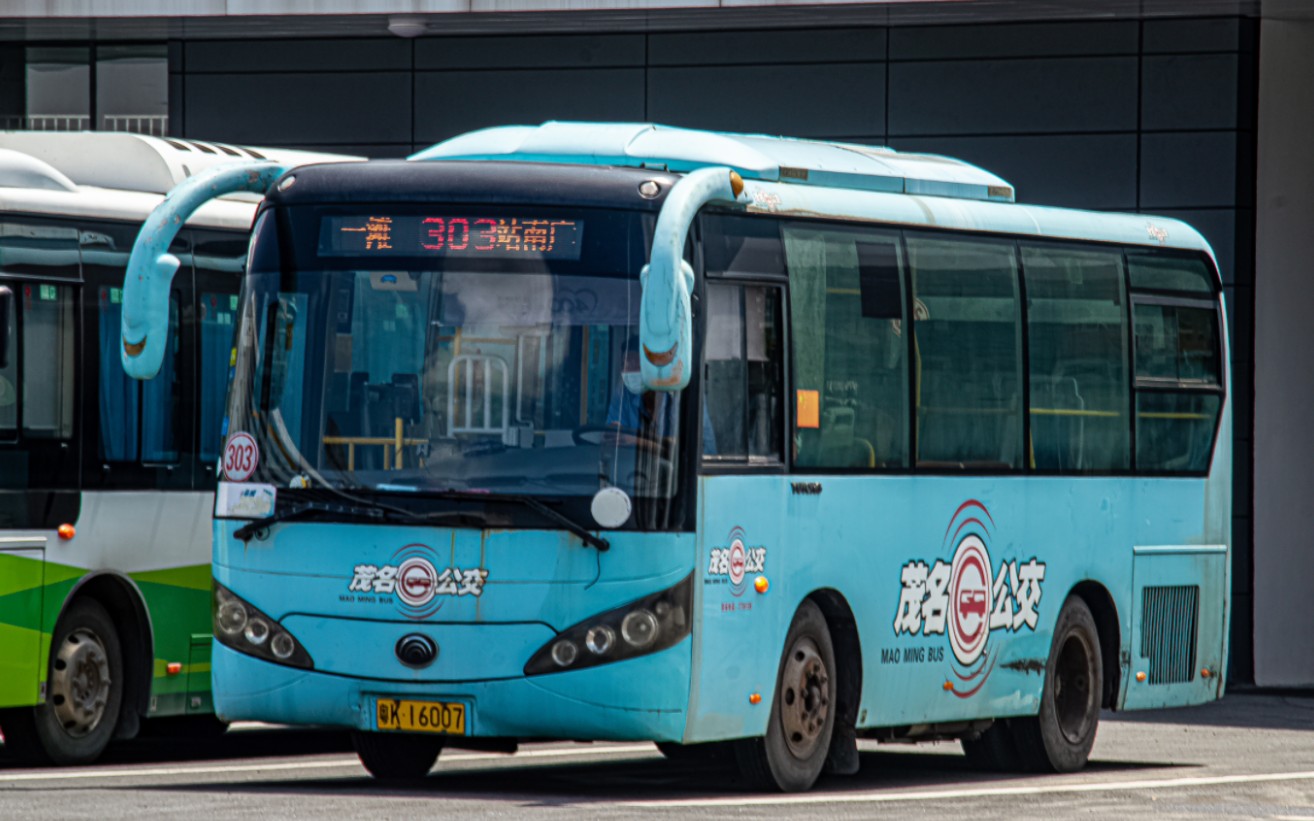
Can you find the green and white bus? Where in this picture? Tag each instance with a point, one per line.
(106, 483)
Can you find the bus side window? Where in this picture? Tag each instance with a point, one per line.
(967, 353)
(1077, 344)
(48, 347)
(1179, 377)
(9, 373)
(137, 419)
(850, 355)
(742, 374)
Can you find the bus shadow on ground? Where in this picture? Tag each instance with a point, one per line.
(636, 780)
(1251, 711)
(226, 747)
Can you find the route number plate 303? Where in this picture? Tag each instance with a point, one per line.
(446, 717)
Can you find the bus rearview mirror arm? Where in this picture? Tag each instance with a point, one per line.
(665, 325)
(151, 267)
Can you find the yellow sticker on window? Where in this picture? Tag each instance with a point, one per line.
(809, 409)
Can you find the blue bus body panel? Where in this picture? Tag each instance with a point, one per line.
(537, 583)
(865, 538)
(638, 699)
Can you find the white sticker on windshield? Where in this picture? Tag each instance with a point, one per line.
(245, 500)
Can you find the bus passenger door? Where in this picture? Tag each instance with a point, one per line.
(741, 496)
(22, 562)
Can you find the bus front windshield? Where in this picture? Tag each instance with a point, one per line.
(378, 366)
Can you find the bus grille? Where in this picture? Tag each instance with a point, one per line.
(1168, 621)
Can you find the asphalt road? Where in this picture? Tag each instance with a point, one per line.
(1249, 756)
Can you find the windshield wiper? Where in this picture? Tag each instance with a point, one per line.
(533, 504)
(562, 519)
(303, 510)
(356, 512)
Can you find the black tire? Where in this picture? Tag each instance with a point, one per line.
(995, 750)
(396, 756)
(84, 693)
(791, 756)
(1060, 737)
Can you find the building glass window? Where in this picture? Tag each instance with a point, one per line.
(130, 82)
(132, 88)
(58, 89)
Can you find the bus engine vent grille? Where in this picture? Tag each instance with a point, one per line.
(1168, 626)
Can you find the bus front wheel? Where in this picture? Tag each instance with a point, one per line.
(1060, 738)
(396, 756)
(84, 692)
(791, 755)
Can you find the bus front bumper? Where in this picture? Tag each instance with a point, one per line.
(641, 699)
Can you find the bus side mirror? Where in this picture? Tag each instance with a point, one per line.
(6, 318)
(665, 323)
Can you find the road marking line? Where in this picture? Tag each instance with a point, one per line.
(353, 761)
(887, 797)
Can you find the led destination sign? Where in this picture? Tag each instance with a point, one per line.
(452, 235)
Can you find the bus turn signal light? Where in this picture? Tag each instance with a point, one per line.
(754, 698)
(173, 668)
(1140, 676)
(67, 531)
(760, 584)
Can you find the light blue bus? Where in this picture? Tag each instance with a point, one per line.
(747, 446)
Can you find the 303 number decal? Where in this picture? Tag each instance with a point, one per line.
(241, 456)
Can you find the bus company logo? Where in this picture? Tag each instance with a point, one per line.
(1157, 233)
(966, 600)
(731, 564)
(412, 581)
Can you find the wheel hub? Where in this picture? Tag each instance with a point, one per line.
(80, 682)
(804, 698)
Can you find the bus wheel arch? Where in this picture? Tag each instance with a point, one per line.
(1102, 607)
(126, 607)
(793, 751)
(843, 756)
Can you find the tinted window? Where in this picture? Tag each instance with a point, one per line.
(48, 348)
(742, 373)
(847, 306)
(1160, 272)
(1179, 366)
(138, 419)
(967, 354)
(1077, 344)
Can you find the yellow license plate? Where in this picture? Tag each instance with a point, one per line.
(420, 716)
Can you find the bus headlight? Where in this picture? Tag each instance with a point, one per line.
(641, 627)
(239, 625)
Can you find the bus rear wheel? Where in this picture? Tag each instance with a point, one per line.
(1060, 738)
(84, 693)
(791, 755)
(396, 756)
